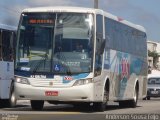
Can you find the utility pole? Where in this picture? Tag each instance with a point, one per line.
(96, 4)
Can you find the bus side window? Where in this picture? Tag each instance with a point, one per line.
(11, 54)
(99, 39)
(6, 48)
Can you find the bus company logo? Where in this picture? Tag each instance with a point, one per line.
(68, 78)
(125, 68)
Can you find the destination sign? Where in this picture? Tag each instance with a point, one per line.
(41, 21)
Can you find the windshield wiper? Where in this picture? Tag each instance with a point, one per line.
(41, 61)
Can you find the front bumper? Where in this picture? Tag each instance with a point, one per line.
(153, 93)
(82, 93)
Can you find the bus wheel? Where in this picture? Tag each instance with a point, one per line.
(37, 104)
(133, 103)
(130, 103)
(101, 106)
(12, 101)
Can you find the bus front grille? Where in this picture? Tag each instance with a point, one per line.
(45, 83)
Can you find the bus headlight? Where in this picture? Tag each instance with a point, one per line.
(22, 80)
(83, 82)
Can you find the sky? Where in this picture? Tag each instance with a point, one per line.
(142, 12)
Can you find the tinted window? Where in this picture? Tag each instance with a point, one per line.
(7, 45)
(99, 39)
(99, 24)
(124, 38)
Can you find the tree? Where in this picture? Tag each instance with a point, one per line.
(155, 56)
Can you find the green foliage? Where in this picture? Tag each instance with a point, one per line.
(155, 56)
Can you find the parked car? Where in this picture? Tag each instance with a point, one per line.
(153, 89)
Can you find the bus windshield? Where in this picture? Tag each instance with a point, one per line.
(56, 43)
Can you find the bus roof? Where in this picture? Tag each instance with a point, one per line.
(7, 27)
(84, 10)
(61, 9)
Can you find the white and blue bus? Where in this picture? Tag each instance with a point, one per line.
(7, 40)
(79, 55)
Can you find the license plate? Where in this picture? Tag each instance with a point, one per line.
(154, 92)
(51, 93)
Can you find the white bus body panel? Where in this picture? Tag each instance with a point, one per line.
(66, 92)
(75, 93)
(6, 76)
(120, 89)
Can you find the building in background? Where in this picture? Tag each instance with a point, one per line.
(154, 54)
(151, 46)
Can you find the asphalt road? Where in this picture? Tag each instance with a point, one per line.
(146, 110)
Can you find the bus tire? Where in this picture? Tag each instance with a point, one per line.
(12, 101)
(37, 104)
(133, 103)
(130, 103)
(101, 106)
